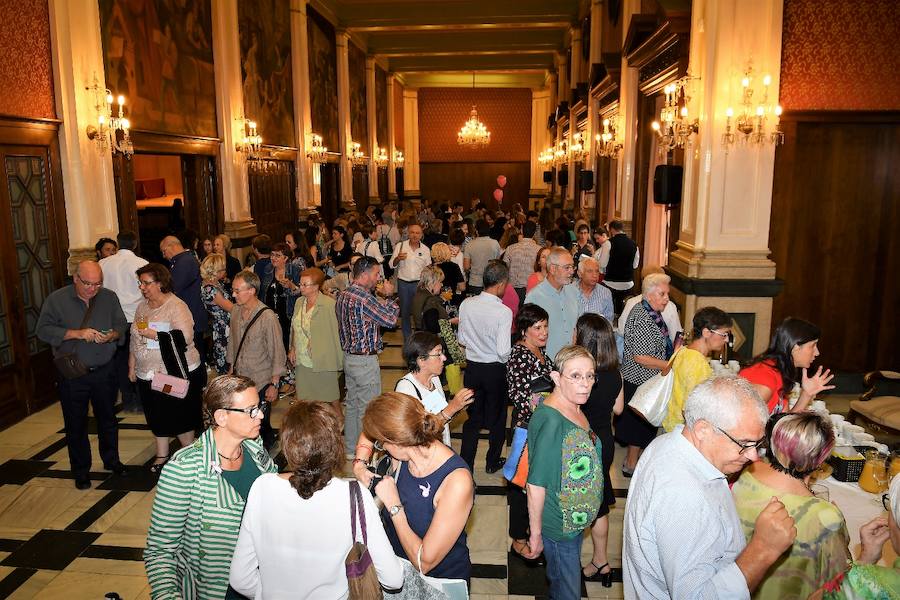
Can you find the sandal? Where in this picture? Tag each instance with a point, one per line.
(605, 579)
(156, 468)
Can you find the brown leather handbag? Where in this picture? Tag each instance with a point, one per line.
(361, 576)
(67, 363)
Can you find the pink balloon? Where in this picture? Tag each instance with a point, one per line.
(498, 195)
(501, 180)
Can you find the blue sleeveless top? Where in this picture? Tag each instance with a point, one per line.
(417, 496)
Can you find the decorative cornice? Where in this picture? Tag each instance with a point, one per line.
(726, 288)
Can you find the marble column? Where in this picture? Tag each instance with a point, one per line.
(628, 118)
(562, 80)
(391, 141)
(309, 193)
(541, 107)
(723, 255)
(344, 135)
(229, 115)
(87, 175)
(372, 128)
(596, 29)
(411, 190)
(575, 75)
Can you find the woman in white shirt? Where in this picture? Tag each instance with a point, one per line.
(295, 534)
(424, 355)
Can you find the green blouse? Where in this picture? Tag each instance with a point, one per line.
(865, 582)
(820, 551)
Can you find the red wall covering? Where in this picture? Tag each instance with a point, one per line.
(26, 70)
(840, 55)
(505, 112)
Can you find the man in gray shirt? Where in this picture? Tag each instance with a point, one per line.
(93, 340)
(477, 254)
(682, 534)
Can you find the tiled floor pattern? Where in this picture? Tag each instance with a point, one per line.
(59, 542)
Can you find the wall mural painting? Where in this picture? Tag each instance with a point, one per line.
(358, 121)
(159, 54)
(265, 37)
(381, 107)
(323, 80)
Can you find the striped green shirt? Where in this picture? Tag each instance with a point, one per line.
(195, 522)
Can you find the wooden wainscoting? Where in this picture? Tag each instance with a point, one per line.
(453, 181)
(834, 233)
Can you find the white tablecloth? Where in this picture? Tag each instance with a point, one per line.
(859, 507)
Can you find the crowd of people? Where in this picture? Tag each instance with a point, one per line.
(504, 309)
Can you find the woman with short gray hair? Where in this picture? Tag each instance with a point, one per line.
(647, 350)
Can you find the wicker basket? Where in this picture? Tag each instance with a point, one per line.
(847, 470)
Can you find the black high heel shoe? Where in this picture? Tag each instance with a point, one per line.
(528, 562)
(604, 579)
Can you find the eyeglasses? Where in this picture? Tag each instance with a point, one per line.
(886, 502)
(252, 411)
(90, 284)
(427, 356)
(579, 378)
(566, 267)
(243, 289)
(142, 283)
(309, 285)
(725, 334)
(745, 446)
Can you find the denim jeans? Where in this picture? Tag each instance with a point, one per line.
(406, 291)
(563, 567)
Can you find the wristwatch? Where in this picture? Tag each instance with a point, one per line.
(394, 510)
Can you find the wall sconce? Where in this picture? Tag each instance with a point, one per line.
(545, 158)
(381, 158)
(398, 159)
(316, 151)
(751, 125)
(251, 141)
(578, 148)
(608, 144)
(111, 131)
(561, 153)
(356, 155)
(674, 128)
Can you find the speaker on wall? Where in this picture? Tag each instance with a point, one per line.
(562, 178)
(667, 181)
(587, 180)
(548, 176)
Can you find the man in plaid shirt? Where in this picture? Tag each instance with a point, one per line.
(360, 316)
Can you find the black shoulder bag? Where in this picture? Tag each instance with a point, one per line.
(67, 363)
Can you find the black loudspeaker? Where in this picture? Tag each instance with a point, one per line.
(667, 181)
(562, 178)
(548, 176)
(587, 180)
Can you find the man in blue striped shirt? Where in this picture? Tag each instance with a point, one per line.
(360, 316)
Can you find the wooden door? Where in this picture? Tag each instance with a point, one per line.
(201, 209)
(273, 200)
(29, 244)
(331, 191)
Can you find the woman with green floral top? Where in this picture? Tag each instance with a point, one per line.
(565, 473)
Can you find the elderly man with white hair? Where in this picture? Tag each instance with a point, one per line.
(647, 350)
(592, 297)
(682, 534)
(551, 295)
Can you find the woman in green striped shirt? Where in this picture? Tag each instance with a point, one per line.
(201, 495)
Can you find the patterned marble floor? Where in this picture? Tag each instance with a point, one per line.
(59, 542)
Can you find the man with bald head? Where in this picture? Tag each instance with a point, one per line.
(186, 285)
(85, 322)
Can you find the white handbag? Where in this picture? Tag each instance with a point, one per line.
(651, 399)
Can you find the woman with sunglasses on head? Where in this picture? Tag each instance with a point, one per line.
(710, 332)
(777, 371)
(798, 443)
(427, 503)
(162, 342)
(201, 495)
(565, 472)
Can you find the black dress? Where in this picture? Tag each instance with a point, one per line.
(598, 410)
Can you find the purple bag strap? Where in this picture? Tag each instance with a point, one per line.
(356, 508)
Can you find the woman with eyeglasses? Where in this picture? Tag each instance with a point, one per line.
(565, 472)
(314, 347)
(201, 495)
(798, 443)
(710, 331)
(428, 500)
(866, 580)
(162, 341)
(783, 367)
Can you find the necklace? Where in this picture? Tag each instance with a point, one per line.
(239, 454)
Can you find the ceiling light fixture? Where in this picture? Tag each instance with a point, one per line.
(474, 133)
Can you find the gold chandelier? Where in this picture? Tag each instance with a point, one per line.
(751, 124)
(674, 128)
(474, 133)
(608, 144)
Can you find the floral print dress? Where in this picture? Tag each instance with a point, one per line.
(219, 320)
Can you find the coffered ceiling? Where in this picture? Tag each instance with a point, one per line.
(505, 43)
